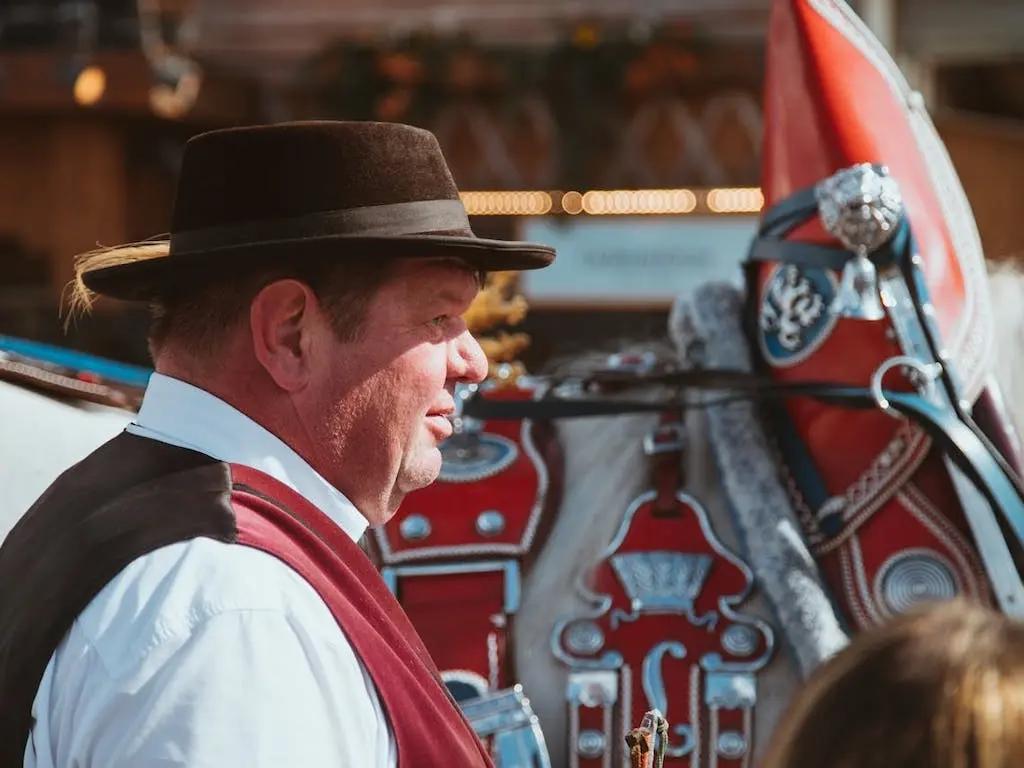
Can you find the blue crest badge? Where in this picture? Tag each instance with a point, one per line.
(796, 315)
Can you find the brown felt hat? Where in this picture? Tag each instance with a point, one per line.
(340, 190)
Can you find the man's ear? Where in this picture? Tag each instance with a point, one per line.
(280, 318)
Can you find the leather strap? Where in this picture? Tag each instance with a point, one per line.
(991, 417)
(739, 384)
(783, 216)
(68, 373)
(771, 248)
(665, 446)
(63, 385)
(803, 254)
(596, 715)
(963, 442)
(965, 445)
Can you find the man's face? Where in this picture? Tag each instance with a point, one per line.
(386, 396)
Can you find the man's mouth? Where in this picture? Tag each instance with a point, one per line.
(440, 425)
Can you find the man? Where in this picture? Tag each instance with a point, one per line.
(191, 593)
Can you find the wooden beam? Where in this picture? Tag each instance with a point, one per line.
(87, 191)
(989, 157)
(31, 83)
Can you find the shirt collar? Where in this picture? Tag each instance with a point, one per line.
(180, 414)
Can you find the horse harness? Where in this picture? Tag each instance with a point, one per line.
(988, 484)
(69, 374)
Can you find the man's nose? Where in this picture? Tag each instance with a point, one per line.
(467, 362)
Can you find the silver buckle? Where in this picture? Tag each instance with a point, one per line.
(666, 438)
(507, 717)
(641, 362)
(922, 376)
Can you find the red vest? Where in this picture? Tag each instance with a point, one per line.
(429, 728)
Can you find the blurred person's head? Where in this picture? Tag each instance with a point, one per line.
(941, 687)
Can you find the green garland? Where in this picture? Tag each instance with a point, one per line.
(351, 79)
(585, 79)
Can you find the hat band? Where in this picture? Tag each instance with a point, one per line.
(392, 220)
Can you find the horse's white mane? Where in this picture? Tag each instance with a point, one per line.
(1006, 284)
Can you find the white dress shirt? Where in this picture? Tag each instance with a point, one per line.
(205, 654)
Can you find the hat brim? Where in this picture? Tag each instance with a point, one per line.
(147, 279)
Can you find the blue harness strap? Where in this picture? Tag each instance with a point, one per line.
(78, 362)
(71, 374)
(964, 443)
(769, 246)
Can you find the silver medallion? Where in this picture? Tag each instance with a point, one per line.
(584, 637)
(590, 744)
(861, 207)
(914, 577)
(414, 528)
(490, 523)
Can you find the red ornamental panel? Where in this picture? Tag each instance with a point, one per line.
(665, 632)
(478, 600)
(834, 98)
(890, 530)
(905, 551)
(499, 486)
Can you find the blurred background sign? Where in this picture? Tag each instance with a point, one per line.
(634, 262)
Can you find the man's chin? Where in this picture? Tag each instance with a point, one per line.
(424, 472)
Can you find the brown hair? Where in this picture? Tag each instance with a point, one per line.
(196, 317)
(942, 687)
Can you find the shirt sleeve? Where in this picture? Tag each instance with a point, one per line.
(245, 688)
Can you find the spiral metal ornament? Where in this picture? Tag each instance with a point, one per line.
(739, 640)
(911, 578)
(584, 638)
(731, 745)
(590, 744)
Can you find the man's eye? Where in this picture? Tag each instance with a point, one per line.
(439, 321)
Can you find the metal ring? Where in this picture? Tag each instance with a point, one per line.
(929, 372)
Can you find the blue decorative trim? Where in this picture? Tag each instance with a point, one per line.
(470, 459)
(110, 370)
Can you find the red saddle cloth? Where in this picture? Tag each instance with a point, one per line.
(893, 531)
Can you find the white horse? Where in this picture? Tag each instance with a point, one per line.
(41, 436)
(1006, 283)
(728, 468)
